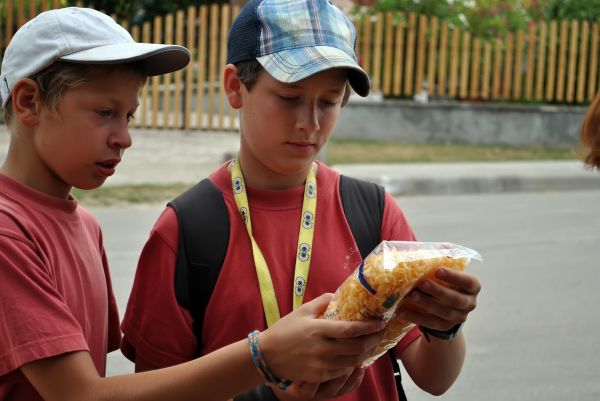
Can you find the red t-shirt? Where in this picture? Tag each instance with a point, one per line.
(160, 331)
(55, 289)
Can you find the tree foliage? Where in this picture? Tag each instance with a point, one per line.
(491, 18)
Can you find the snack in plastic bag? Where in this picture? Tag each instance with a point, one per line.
(385, 277)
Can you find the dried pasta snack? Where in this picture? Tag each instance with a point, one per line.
(385, 277)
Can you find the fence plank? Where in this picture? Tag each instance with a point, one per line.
(562, 61)
(475, 69)
(464, 65)
(518, 69)
(421, 47)
(410, 51)
(202, 61)
(358, 27)
(156, 79)
(497, 83)
(541, 63)
(388, 53)
(366, 45)
(530, 63)
(399, 52)
(550, 82)
(167, 78)
(487, 70)
(593, 73)
(454, 57)
(212, 62)
(573, 48)
(32, 8)
(377, 52)
(179, 26)
(145, 97)
(583, 61)
(44, 5)
(225, 22)
(508, 65)
(21, 13)
(189, 71)
(442, 66)
(9, 21)
(431, 59)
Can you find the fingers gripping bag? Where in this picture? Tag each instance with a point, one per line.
(380, 283)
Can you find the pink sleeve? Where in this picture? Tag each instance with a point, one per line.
(35, 322)
(155, 327)
(394, 226)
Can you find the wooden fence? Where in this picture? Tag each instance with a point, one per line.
(405, 55)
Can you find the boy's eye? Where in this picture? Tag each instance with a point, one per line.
(104, 112)
(328, 102)
(288, 98)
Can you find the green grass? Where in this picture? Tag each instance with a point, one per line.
(338, 152)
(342, 151)
(129, 194)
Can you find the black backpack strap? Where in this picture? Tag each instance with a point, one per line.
(203, 240)
(363, 204)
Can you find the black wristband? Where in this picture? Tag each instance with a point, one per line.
(444, 335)
(260, 393)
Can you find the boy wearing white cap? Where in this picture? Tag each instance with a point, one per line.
(290, 65)
(69, 85)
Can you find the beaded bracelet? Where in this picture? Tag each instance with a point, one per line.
(259, 361)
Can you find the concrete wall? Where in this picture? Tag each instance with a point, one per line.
(472, 123)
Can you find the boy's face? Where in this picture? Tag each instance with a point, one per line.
(284, 126)
(81, 141)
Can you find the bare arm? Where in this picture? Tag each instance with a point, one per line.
(299, 347)
(435, 365)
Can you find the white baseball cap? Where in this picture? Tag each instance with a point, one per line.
(84, 36)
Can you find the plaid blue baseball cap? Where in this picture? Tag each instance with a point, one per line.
(294, 39)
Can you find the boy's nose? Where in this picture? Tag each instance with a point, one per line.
(121, 138)
(308, 119)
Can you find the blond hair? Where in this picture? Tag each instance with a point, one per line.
(55, 80)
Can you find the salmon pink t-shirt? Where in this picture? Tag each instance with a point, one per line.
(157, 329)
(55, 290)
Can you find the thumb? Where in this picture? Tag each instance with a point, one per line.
(317, 306)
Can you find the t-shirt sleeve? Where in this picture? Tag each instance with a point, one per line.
(395, 227)
(114, 327)
(155, 327)
(35, 322)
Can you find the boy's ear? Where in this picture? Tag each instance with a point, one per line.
(26, 102)
(233, 86)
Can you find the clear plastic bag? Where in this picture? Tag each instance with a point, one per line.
(380, 283)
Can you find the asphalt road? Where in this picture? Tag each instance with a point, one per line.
(535, 334)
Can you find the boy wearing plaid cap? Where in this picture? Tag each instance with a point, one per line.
(69, 84)
(290, 65)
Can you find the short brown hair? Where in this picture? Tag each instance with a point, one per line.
(248, 72)
(590, 133)
(55, 80)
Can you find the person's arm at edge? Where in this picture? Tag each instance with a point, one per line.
(324, 350)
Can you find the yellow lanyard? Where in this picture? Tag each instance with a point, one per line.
(305, 240)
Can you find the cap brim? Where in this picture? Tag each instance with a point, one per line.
(297, 64)
(157, 59)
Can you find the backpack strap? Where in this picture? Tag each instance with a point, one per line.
(203, 240)
(363, 204)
